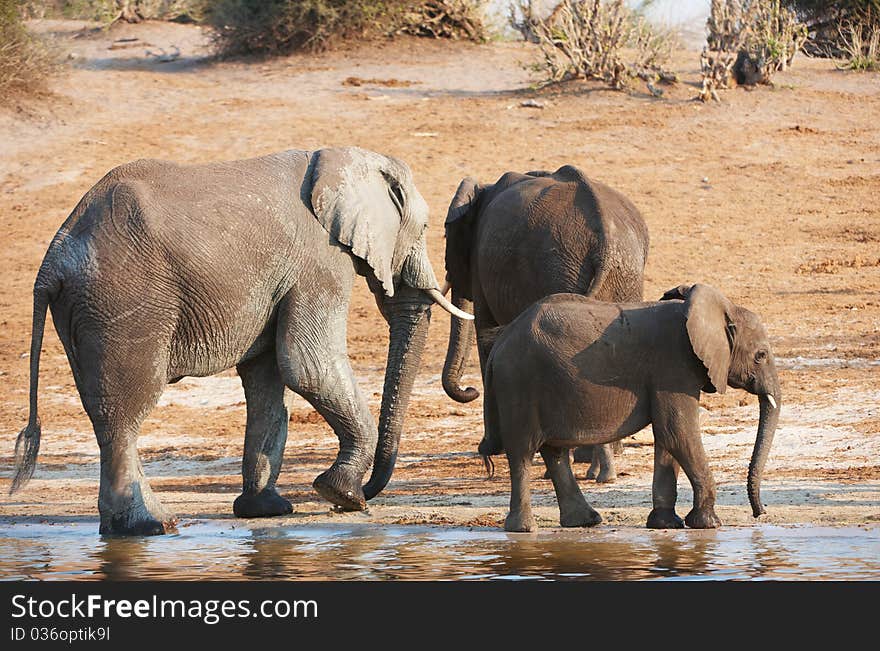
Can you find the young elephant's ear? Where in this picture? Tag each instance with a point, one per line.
(368, 203)
(464, 200)
(711, 332)
(677, 293)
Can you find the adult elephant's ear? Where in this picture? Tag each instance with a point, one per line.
(464, 200)
(711, 332)
(676, 293)
(369, 204)
(459, 235)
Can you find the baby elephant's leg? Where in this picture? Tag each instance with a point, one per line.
(677, 429)
(665, 491)
(574, 510)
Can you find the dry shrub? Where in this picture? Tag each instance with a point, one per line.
(860, 45)
(445, 19)
(25, 60)
(829, 23)
(748, 41)
(111, 10)
(595, 39)
(282, 26)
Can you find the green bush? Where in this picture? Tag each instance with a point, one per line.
(25, 61)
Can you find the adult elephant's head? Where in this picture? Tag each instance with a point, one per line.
(369, 204)
(734, 348)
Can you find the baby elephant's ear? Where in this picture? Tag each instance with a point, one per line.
(677, 293)
(711, 332)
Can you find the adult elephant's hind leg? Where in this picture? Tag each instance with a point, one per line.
(264, 439)
(117, 407)
(574, 510)
(520, 517)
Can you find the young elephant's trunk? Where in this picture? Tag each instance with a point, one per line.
(461, 340)
(769, 405)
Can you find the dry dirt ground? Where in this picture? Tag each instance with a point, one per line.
(772, 196)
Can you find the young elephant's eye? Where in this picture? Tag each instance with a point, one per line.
(761, 356)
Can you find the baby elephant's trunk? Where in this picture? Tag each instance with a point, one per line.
(770, 400)
(769, 405)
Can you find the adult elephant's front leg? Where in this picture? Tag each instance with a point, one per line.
(264, 439)
(313, 362)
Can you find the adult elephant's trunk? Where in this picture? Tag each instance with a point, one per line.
(408, 321)
(461, 340)
(769, 405)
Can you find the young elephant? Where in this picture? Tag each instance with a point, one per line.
(571, 371)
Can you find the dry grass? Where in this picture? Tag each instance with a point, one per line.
(25, 60)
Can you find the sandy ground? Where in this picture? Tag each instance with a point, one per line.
(771, 196)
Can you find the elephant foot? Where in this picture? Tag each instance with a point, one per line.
(582, 517)
(664, 519)
(704, 518)
(341, 488)
(583, 454)
(145, 527)
(520, 522)
(134, 511)
(264, 504)
(606, 476)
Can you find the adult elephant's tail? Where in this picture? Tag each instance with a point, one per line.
(27, 446)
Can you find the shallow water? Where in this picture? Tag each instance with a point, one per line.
(212, 550)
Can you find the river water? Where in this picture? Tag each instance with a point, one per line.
(227, 549)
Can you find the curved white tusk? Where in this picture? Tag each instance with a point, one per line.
(446, 287)
(771, 400)
(440, 300)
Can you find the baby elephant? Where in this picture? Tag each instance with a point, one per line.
(571, 371)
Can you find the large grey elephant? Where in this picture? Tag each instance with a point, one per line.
(527, 236)
(571, 370)
(164, 271)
